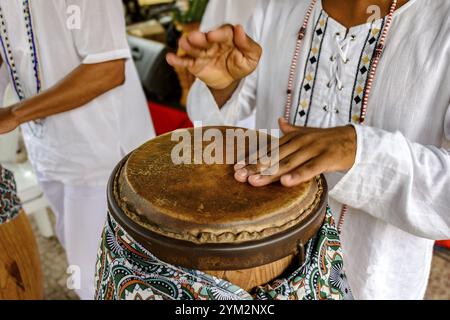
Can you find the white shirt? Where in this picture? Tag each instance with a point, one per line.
(399, 188)
(79, 147)
(219, 12)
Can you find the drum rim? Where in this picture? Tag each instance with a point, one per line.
(220, 256)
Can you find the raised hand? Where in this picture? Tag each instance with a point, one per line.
(220, 58)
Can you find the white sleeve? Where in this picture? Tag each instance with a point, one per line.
(102, 33)
(201, 105)
(403, 183)
(219, 12)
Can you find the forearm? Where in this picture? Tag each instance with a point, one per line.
(81, 86)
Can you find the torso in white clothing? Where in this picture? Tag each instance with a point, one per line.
(398, 189)
(41, 48)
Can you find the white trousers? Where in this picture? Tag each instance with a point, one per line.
(80, 216)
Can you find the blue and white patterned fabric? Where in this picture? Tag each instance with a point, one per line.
(9, 201)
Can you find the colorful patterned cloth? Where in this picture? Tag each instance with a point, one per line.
(9, 202)
(127, 271)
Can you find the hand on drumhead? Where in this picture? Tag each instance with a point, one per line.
(8, 122)
(304, 153)
(219, 58)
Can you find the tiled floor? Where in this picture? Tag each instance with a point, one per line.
(54, 267)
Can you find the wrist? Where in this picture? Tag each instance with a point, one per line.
(13, 114)
(352, 145)
(223, 95)
(222, 90)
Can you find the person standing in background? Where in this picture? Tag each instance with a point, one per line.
(81, 109)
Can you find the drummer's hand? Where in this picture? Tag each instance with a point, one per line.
(304, 154)
(220, 58)
(8, 122)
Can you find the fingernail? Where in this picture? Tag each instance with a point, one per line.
(289, 179)
(242, 173)
(239, 166)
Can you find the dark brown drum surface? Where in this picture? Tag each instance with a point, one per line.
(199, 216)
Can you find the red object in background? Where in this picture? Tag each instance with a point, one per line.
(445, 243)
(167, 119)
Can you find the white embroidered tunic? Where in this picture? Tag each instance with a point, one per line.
(43, 41)
(399, 188)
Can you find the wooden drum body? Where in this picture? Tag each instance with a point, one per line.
(199, 217)
(20, 267)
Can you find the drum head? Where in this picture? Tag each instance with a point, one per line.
(192, 208)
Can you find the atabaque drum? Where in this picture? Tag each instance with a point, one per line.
(20, 267)
(194, 214)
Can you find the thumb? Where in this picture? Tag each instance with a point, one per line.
(246, 44)
(286, 127)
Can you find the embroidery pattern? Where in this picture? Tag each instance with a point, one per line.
(310, 73)
(32, 42)
(7, 53)
(362, 73)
